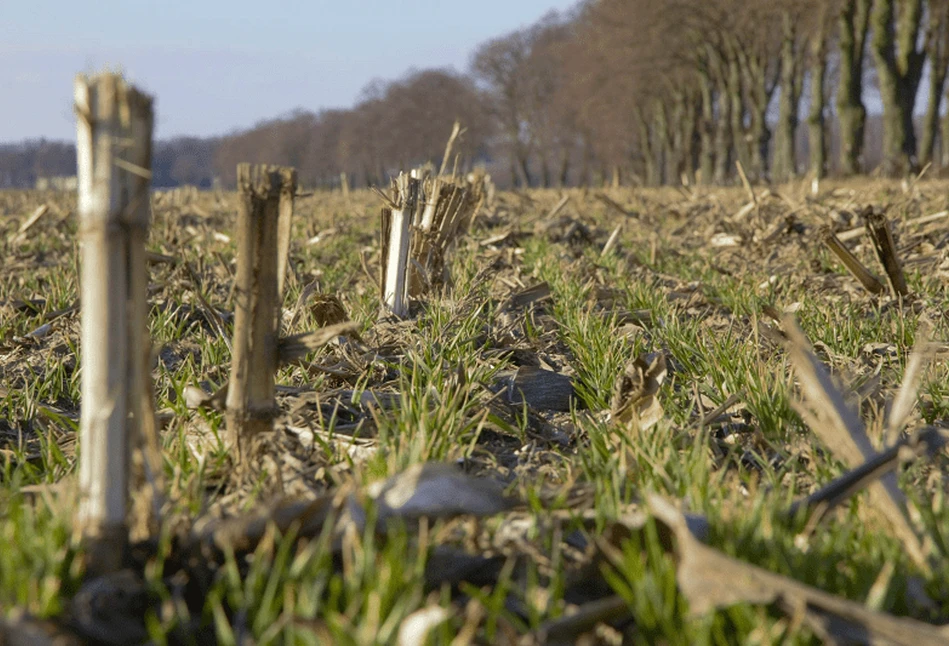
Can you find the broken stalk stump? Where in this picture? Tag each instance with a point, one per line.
(878, 226)
(288, 189)
(113, 148)
(250, 396)
(870, 282)
(396, 223)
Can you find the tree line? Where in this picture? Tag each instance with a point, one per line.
(632, 91)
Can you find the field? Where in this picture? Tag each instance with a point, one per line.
(570, 392)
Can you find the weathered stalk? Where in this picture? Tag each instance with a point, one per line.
(870, 282)
(288, 189)
(394, 287)
(250, 397)
(114, 130)
(878, 227)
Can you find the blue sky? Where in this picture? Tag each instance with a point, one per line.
(218, 65)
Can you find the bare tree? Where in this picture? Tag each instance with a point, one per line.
(944, 136)
(499, 66)
(817, 75)
(899, 64)
(797, 32)
(760, 67)
(854, 25)
(654, 92)
(937, 39)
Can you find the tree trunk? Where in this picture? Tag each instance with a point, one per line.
(854, 24)
(663, 136)
(760, 90)
(930, 126)
(816, 122)
(707, 131)
(899, 67)
(647, 150)
(938, 51)
(683, 137)
(586, 165)
(724, 149)
(944, 138)
(693, 139)
(563, 173)
(544, 170)
(367, 176)
(523, 165)
(736, 112)
(785, 153)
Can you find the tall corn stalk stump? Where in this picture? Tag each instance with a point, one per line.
(113, 148)
(421, 222)
(250, 397)
(288, 190)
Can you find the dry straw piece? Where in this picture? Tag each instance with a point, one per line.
(710, 579)
(870, 282)
(840, 429)
(635, 390)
